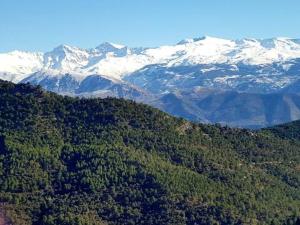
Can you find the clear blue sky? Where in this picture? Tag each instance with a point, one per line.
(40, 25)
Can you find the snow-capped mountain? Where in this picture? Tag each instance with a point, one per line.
(16, 65)
(117, 61)
(152, 75)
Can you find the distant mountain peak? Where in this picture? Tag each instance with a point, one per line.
(108, 46)
(184, 72)
(66, 48)
(119, 61)
(192, 40)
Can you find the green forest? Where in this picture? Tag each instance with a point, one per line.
(77, 161)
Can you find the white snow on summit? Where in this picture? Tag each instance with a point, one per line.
(117, 61)
(66, 58)
(16, 65)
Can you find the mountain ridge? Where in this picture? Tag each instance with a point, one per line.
(247, 66)
(67, 160)
(282, 49)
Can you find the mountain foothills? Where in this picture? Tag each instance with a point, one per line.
(78, 161)
(204, 79)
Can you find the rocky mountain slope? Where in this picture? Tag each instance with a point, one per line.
(248, 67)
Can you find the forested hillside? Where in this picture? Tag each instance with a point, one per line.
(110, 161)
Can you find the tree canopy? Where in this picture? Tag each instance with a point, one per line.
(112, 161)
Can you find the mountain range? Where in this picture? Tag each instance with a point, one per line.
(249, 83)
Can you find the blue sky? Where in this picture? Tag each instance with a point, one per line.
(40, 25)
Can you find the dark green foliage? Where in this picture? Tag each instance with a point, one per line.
(289, 130)
(108, 161)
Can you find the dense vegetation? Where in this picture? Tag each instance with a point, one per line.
(108, 161)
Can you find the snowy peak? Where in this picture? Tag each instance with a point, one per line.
(16, 65)
(117, 50)
(117, 61)
(66, 58)
(185, 75)
(201, 39)
(63, 51)
(190, 40)
(108, 46)
(265, 51)
(270, 43)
